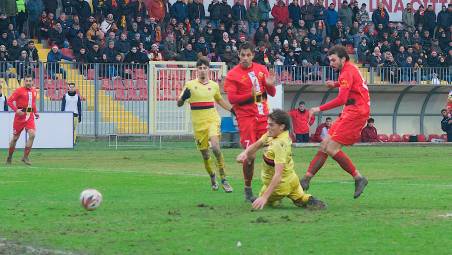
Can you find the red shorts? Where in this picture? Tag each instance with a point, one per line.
(251, 129)
(20, 123)
(347, 129)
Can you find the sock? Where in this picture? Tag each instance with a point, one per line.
(248, 171)
(317, 163)
(344, 161)
(11, 151)
(27, 151)
(208, 167)
(220, 166)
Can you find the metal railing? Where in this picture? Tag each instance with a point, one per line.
(139, 98)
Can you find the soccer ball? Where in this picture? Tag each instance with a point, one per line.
(90, 199)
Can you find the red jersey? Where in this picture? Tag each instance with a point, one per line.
(317, 135)
(238, 86)
(24, 99)
(353, 91)
(301, 121)
(369, 135)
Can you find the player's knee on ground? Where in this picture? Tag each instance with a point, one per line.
(301, 202)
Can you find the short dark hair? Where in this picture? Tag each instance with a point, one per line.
(443, 110)
(202, 61)
(370, 120)
(71, 84)
(247, 46)
(280, 117)
(28, 75)
(301, 102)
(340, 51)
(329, 118)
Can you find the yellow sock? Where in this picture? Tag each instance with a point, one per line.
(208, 166)
(220, 166)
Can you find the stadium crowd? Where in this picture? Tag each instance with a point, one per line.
(116, 31)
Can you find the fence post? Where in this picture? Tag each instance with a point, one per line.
(324, 74)
(41, 85)
(96, 99)
(372, 76)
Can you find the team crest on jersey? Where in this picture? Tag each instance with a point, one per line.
(261, 75)
(344, 83)
(244, 77)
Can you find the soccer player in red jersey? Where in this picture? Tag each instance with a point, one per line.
(345, 131)
(23, 103)
(247, 86)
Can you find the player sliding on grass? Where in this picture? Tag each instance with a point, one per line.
(202, 94)
(354, 94)
(247, 86)
(278, 175)
(23, 103)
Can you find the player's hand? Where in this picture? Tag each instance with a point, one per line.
(313, 110)
(36, 115)
(271, 78)
(20, 112)
(186, 95)
(242, 157)
(259, 203)
(330, 84)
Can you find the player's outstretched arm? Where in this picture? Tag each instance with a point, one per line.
(250, 153)
(260, 202)
(270, 83)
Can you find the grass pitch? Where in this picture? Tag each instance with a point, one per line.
(160, 202)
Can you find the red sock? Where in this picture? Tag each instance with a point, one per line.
(11, 151)
(248, 171)
(344, 161)
(317, 163)
(27, 151)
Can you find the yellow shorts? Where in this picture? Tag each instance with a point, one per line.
(290, 189)
(203, 132)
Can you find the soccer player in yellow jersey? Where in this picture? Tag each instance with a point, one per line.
(202, 94)
(278, 175)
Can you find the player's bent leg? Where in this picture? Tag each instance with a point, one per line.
(334, 150)
(215, 145)
(317, 162)
(208, 166)
(12, 148)
(248, 170)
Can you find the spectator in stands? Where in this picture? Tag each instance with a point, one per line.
(376, 59)
(446, 124)
(72, 102)
(301, 122)
(253, 16)
(188, 54)
(57, 36)
(322, 130)
(338, 33)
(50, 6)
(123, 44)
(381, 15)
(346, 14)
(308, 12)
(196, 10)
(53, 66)
(369, 133)
(419, 16)
(108, 24)
(280, 13)
(444, 19)
(363, 16)
(407, 74)
(264, 10)
(294, 11)
(3, 99)
(430, 19)
(363, 51)
(154, 53)
(135, 56)
(95, 35)
(215, 13)
(226, 14)
(83, 9)
(32, 52)
(34, 9)
(239, 11)
(391, 69)
(408, 16)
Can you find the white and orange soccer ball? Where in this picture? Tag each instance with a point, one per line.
(90, 199)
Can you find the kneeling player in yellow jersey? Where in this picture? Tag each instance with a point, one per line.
(278, 175)
(202, 94)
